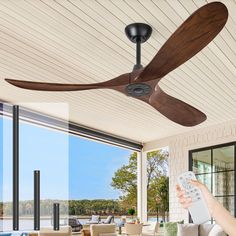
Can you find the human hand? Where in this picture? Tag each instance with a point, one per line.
(187, 201)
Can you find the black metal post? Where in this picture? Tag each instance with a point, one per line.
(138, 53)
(56, 216)
(36, 200)
(234, 180)
(1, 163)
(15, 167)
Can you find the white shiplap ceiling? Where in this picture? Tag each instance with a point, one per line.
(83, 41)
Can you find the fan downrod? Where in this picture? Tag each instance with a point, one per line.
(138, 33)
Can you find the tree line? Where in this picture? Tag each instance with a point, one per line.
(26, 208)
(73, 207)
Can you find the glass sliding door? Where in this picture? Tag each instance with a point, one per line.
(1, 176)
(223, 176)
(46, 150)
(215, 167)
(41, 147)
(85, 176)
(103, 181)
(6, 220)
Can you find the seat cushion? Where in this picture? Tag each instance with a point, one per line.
(187, 230)
(98, 229)
(217, 231)
(107, 234)
(205, 229)
(48, 231)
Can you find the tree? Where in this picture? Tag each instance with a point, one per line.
(158, 182)
(131, 212)
(125, 180)
(1, 209)
(158, 196)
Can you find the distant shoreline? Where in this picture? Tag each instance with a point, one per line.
(66, 216)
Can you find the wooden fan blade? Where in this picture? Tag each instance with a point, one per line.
(176, 110)
(191, 37)
(41, 86)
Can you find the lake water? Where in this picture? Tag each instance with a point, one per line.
(28, 224)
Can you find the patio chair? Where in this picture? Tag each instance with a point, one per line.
(75, 224)
(95, 219)
(108, 220)
(48, 231)
(133, 229)
(103, 230)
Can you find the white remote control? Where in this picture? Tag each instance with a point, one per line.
(198, 209)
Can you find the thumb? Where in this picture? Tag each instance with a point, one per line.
(196, 183)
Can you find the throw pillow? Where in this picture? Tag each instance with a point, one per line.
(205, 229)
(187, 229)
(217, 231)
(170, 228)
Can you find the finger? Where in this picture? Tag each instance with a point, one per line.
(178, 187)
(182, 201)
(180, 193)
(185, 200)
(187, 205)
(195, 183)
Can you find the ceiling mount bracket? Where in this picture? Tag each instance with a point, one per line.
(138, 33)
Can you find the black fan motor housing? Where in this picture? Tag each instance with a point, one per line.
(138, 90)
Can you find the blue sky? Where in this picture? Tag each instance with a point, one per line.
(92, 165)
(71, 167)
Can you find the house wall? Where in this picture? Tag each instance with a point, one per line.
(179, 146)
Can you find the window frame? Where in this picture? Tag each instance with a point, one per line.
(70, 127)
(211, 148)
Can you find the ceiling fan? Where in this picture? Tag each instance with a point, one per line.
(142, 83)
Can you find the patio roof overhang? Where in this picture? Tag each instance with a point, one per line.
(84, 42)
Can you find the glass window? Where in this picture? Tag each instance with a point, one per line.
(214, 167)
(223, 158)
(1, 175)
(6, 174)
(86, 177)
(103, 180)
(228, 203)
(205, 179)
(46, 150)
(226, 186)
(202, 162)
(40, 148)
